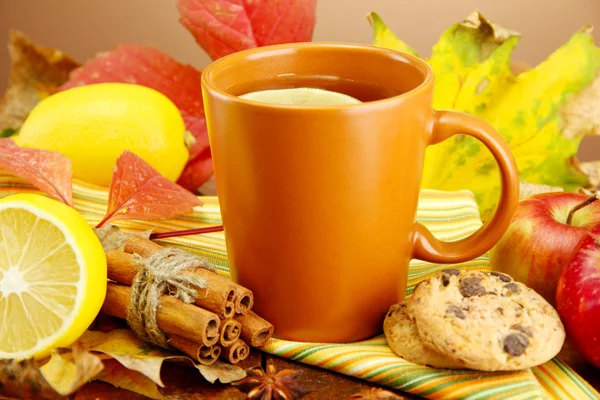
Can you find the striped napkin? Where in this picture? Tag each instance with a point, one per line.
(450, 216)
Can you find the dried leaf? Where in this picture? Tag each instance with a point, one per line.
(47, 170)
(118, 375)
(376, 394)
(143, 357)
(529, 189)
(24, 380)
(591, 169)
(582, 112)
(148, 66)
(543, 112)
(35, 73)
(223, 27)
(62, 375)
(67, 372)
(113, 238)
(137, 191)
(220, 371)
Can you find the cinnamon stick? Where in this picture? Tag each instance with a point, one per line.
(255, 330)
(235, 353)
(205, 355)
(244, 300)
(173, 316)
(220, 294)
(122, 269)
(230, 332)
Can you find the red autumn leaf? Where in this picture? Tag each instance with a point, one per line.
(198, 170)
(138, 191)
(148, 66)
(47, 170)
(223, 27)
(199, 167)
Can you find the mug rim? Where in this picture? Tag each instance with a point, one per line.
(422, 65)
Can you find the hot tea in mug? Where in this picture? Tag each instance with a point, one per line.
(319, 199)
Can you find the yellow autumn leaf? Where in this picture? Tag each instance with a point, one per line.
(122, 377)
(384, 37)
(145, 361)
(56, 377)
(66, 373)
(543, 113)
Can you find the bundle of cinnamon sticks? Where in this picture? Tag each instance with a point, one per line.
(220, 324)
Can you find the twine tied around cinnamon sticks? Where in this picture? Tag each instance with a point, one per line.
(220, 322)
(157, 275)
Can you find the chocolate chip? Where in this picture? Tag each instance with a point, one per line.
(445, 280)
(446, 274)
(501, 276)
(451, 271)
(472, 286)
(515, 344)
(500, 310)
(511, 288)
(456, 311)
(523, 329)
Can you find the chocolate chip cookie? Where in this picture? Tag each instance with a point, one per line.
(486, 320)
(402, 337)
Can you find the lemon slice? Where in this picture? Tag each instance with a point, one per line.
(300, 97)
(52, 275)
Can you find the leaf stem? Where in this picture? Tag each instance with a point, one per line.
(186, 232)
(104, 220)
(581, 205)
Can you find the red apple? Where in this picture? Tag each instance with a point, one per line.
(539, 243)
(578, 297)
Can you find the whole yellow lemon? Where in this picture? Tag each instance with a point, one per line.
(92, 125)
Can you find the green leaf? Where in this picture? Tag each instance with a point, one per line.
(542, 113)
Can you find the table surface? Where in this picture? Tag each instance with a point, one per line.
(184, 383)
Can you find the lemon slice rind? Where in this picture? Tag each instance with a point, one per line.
(80, 238)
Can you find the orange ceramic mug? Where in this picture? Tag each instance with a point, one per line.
(319, 202)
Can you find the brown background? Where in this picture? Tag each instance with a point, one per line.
(84, 27)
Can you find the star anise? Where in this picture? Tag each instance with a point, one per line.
(261, 385)
(375, 394)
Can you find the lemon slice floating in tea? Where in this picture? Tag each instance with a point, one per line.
(52, 275)
(301, 96)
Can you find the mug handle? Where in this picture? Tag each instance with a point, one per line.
(425, 246)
